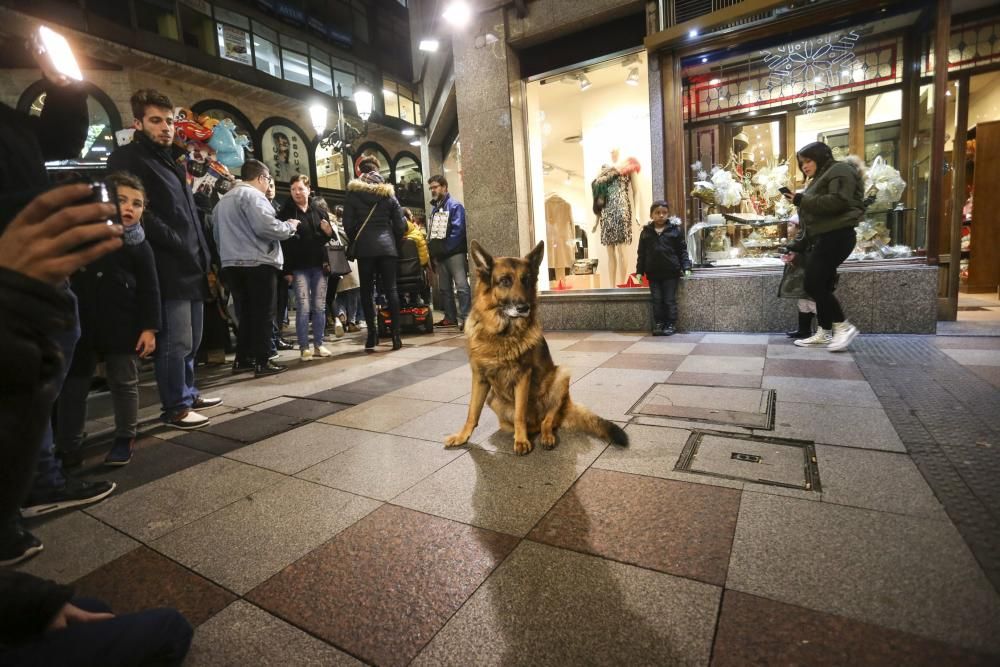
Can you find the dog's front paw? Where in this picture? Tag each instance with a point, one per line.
(548, 440)
(522, 446)
(456, 440)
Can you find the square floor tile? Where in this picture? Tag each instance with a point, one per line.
(304, 408)
(245, 543)
(989, 373)
(913, 575)
(344, 396)
(580, 448)
(702, 363)
(815, 370)
(75, 544)
(580, 359)
(782, 351)
(674, 527)
(152, 459)
(155, 509)
(385, 586)
(757, 631)
(591, 345)
(730, 349)
(967, 342)
(661, 345)
(210, 443)
(646, 362)
(382, 414)
(252, 426)
(715, 379)
(737, 339)
(143, 579)
(548, 606)
(831, 392)
(628, 336)
(974, 357)
(441, 422)
(382, 466)
(242, 634)
(294, 451)
(868, 428)
(492, 490)
(687, 337)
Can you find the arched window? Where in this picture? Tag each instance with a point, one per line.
(220, 111)
(104, 121)
(409, 179)
(284, 149)
(372, 148)
(329, 168)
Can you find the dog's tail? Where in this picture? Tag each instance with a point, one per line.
(582, 419)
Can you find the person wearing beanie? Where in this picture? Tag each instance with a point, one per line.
(829, 208)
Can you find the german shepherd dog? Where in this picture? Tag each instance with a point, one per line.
(511, 364)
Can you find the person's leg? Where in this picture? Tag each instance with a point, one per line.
(366, 273)
(446, 290)
(656, 292)
(71, 406)
(829, 252)
(280, 303)
(388, 268)
(123, 381)
(191, 393)
(670, 303)
(159, 637)
(264, 284)
(173, 346)
(236, 280)
(301, 285)
(318, 284)
(460, 274)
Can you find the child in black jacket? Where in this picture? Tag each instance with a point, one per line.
(663, 259)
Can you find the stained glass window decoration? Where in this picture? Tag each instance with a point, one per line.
(971, 45)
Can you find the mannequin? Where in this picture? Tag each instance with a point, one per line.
(559, 233)
(615, 207)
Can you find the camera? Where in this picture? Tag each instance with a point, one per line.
(102, 193)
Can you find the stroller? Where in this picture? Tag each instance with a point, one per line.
(414, 294)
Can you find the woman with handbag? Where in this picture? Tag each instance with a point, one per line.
(306, 261)
(374, 224)
(336, 254)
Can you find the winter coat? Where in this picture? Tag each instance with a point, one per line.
(119, 297)
(662, 255)
(447, 229)
(833, 200)
(28, 605)
(170, 219)
(247, 233)
(307, 248)
(383, 234)
(416, 235)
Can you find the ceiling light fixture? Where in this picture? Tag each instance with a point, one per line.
(704, 59)
(633, 77)
(584, 81)
(693, 33)
(457, 13)
(429, 45)
(409, 132)
(415, 142)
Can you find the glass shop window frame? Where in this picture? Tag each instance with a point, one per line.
(266, 35)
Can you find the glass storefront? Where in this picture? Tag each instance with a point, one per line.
(589, 149)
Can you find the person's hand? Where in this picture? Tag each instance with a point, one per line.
(147, 344)
(288, 279)
(638, 277)
(326, 269)
(71, 615)
(788, 257)
(788, 195)
(687, 273)
(50, 238)
(294, 223)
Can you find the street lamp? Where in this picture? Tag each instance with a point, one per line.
(342, 137)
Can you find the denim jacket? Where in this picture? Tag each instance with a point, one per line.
(246, 231)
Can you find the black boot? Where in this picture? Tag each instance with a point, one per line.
(372, 339)
(805, 326)
(396, 340)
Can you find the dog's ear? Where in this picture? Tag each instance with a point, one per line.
(482, 260)
(535, 256)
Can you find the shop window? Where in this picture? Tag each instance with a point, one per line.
(832, 127)
(409, 180)
(157, 16)
(590, 127)
(100, 139)
(344, 82)
(285, 152)
(265, 47)
(295, 66)
(390, 99)
(329, 168)
(322, 75)
(883, 119)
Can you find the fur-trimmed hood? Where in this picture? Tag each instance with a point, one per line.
(378, 189)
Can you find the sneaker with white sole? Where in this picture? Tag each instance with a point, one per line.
(338, 328)
(17, 544)
(202, 403)
(843, 333)
(306, 355)
(821, 338)
(188, 419)
(322, 351)
(73, 493)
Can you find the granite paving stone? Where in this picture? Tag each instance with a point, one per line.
(441, 422)
(703, 363)
(536, 610)
(736, 338)
(652, 362)
(250, 426)
(206, 442)
(381, 467)
(811, 368)
(294, 451)
(730, 349)
(242, 635)
(74, 544)
(989, 373)
(578, 447)
(254, 538)
(781, 351)
(337, 395)
(910, 574)
(304, 408)
(152, 459)
(444, 388)
(830, 392)
(715, 379)
(868, 428)
(968, 342)
(382, 414)
(616, 336)
(676, 338)
(674, 527)
(661, 345)
(585, 359)
(494, 490)
(384, 587)
(757, 631)
(157, 508)
(968, 357)
(144, 579)
(590, 345)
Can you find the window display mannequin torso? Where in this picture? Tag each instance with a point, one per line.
(616, 205)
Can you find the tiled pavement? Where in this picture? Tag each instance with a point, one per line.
(319, 520)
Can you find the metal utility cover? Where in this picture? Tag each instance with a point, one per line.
(732, 406)
(772, 461)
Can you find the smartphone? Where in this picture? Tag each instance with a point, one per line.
(784, 191)
(54, 56)
(102, 193)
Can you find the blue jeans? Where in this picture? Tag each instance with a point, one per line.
(453, 275)
(349, 304)
(176, 345)
(664, 294)
(310, 295)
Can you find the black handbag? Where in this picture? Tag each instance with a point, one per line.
(336, 256)
(352, 245)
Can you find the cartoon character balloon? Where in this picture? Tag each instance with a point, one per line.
(227, 150)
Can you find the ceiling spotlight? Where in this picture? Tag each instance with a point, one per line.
(584, 82)
(429, 45)
(415, 142)
(633, 77)
(409, 132)
(457, 13)
(704, 59)
(693, 33)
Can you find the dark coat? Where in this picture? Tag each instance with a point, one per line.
(383, 234)
(26, 142)
(28, 605)
(119, 297)
(170, 219)
(307, 249)
(833, 200)
(662, 255)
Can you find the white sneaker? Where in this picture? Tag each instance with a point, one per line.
(323, 352)
(338, 329)
(843, 333)
(821, 338)
(189, 420)
(306, 355)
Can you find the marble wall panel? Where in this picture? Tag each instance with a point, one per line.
(628, 316)
(739, 303)
(488, 176)
(906, 300)
(569, 316)
(855, 292)
(495, 228)
(696, 302)
(778, 314)
(481, 73)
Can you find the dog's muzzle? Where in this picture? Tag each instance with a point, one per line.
(519, 310)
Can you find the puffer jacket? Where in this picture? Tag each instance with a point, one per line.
(416, 235)
(834, 200)
(382, 236)
(662, 255)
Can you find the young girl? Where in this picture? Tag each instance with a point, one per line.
(119, 301)
(663, 259)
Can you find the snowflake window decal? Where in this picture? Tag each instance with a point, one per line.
(810, 68)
